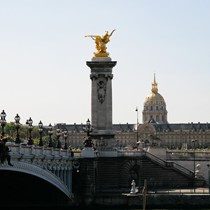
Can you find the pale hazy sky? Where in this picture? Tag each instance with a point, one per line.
(43, 54)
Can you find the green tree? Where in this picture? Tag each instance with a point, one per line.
(11, 132)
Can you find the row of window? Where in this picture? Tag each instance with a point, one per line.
(157, 108)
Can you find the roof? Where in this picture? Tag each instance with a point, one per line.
(78, 128)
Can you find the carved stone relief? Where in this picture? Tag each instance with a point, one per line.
(101, 89)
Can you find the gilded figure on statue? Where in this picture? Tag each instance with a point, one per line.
(101, 42)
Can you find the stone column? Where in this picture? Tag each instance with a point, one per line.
(101, 101)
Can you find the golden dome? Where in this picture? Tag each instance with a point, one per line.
(154, 106)
(154, 98)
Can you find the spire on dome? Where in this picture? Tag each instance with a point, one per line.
(154, 86)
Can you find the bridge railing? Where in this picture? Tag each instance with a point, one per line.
(130, 153)
(36, 151)
(169, 164)
(187, 155)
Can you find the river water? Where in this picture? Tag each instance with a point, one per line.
(86, 208)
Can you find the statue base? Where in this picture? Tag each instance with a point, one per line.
(88, 152)
(101, 54)
(101, 59)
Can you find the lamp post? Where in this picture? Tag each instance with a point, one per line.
(30, 128)
(65, 135)
(58, 133)
(137, 134)
(27, 129)
(17, 125)
(194, 140)
(88, 129)
(3, 122)
(137, 123)
(40, 125)
(50, 132)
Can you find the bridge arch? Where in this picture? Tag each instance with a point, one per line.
(29, 183)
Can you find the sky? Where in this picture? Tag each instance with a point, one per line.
(43, 54)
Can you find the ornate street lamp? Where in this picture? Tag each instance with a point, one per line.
(3, 121)
(50, 132)
(137, 123)
(88, 129)
(58, 133)
(27, 129)
(40, 125)
(65, 135)
(17, 126)
(30, 128)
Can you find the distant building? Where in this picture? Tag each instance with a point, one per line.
(154, 107)
(154, 130)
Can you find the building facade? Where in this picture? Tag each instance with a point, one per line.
(154, 130)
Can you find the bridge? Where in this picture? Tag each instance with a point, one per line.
(45, 174)
(40, 168)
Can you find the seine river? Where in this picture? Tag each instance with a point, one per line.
(85, 208)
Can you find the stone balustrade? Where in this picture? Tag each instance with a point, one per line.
(188, 155)
(32, 151)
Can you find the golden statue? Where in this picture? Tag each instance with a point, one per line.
(101, 42)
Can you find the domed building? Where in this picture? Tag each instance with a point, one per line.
(154, 107)
(154, 130)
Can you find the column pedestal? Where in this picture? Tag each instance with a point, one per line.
(101, 102)
(88, 152)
